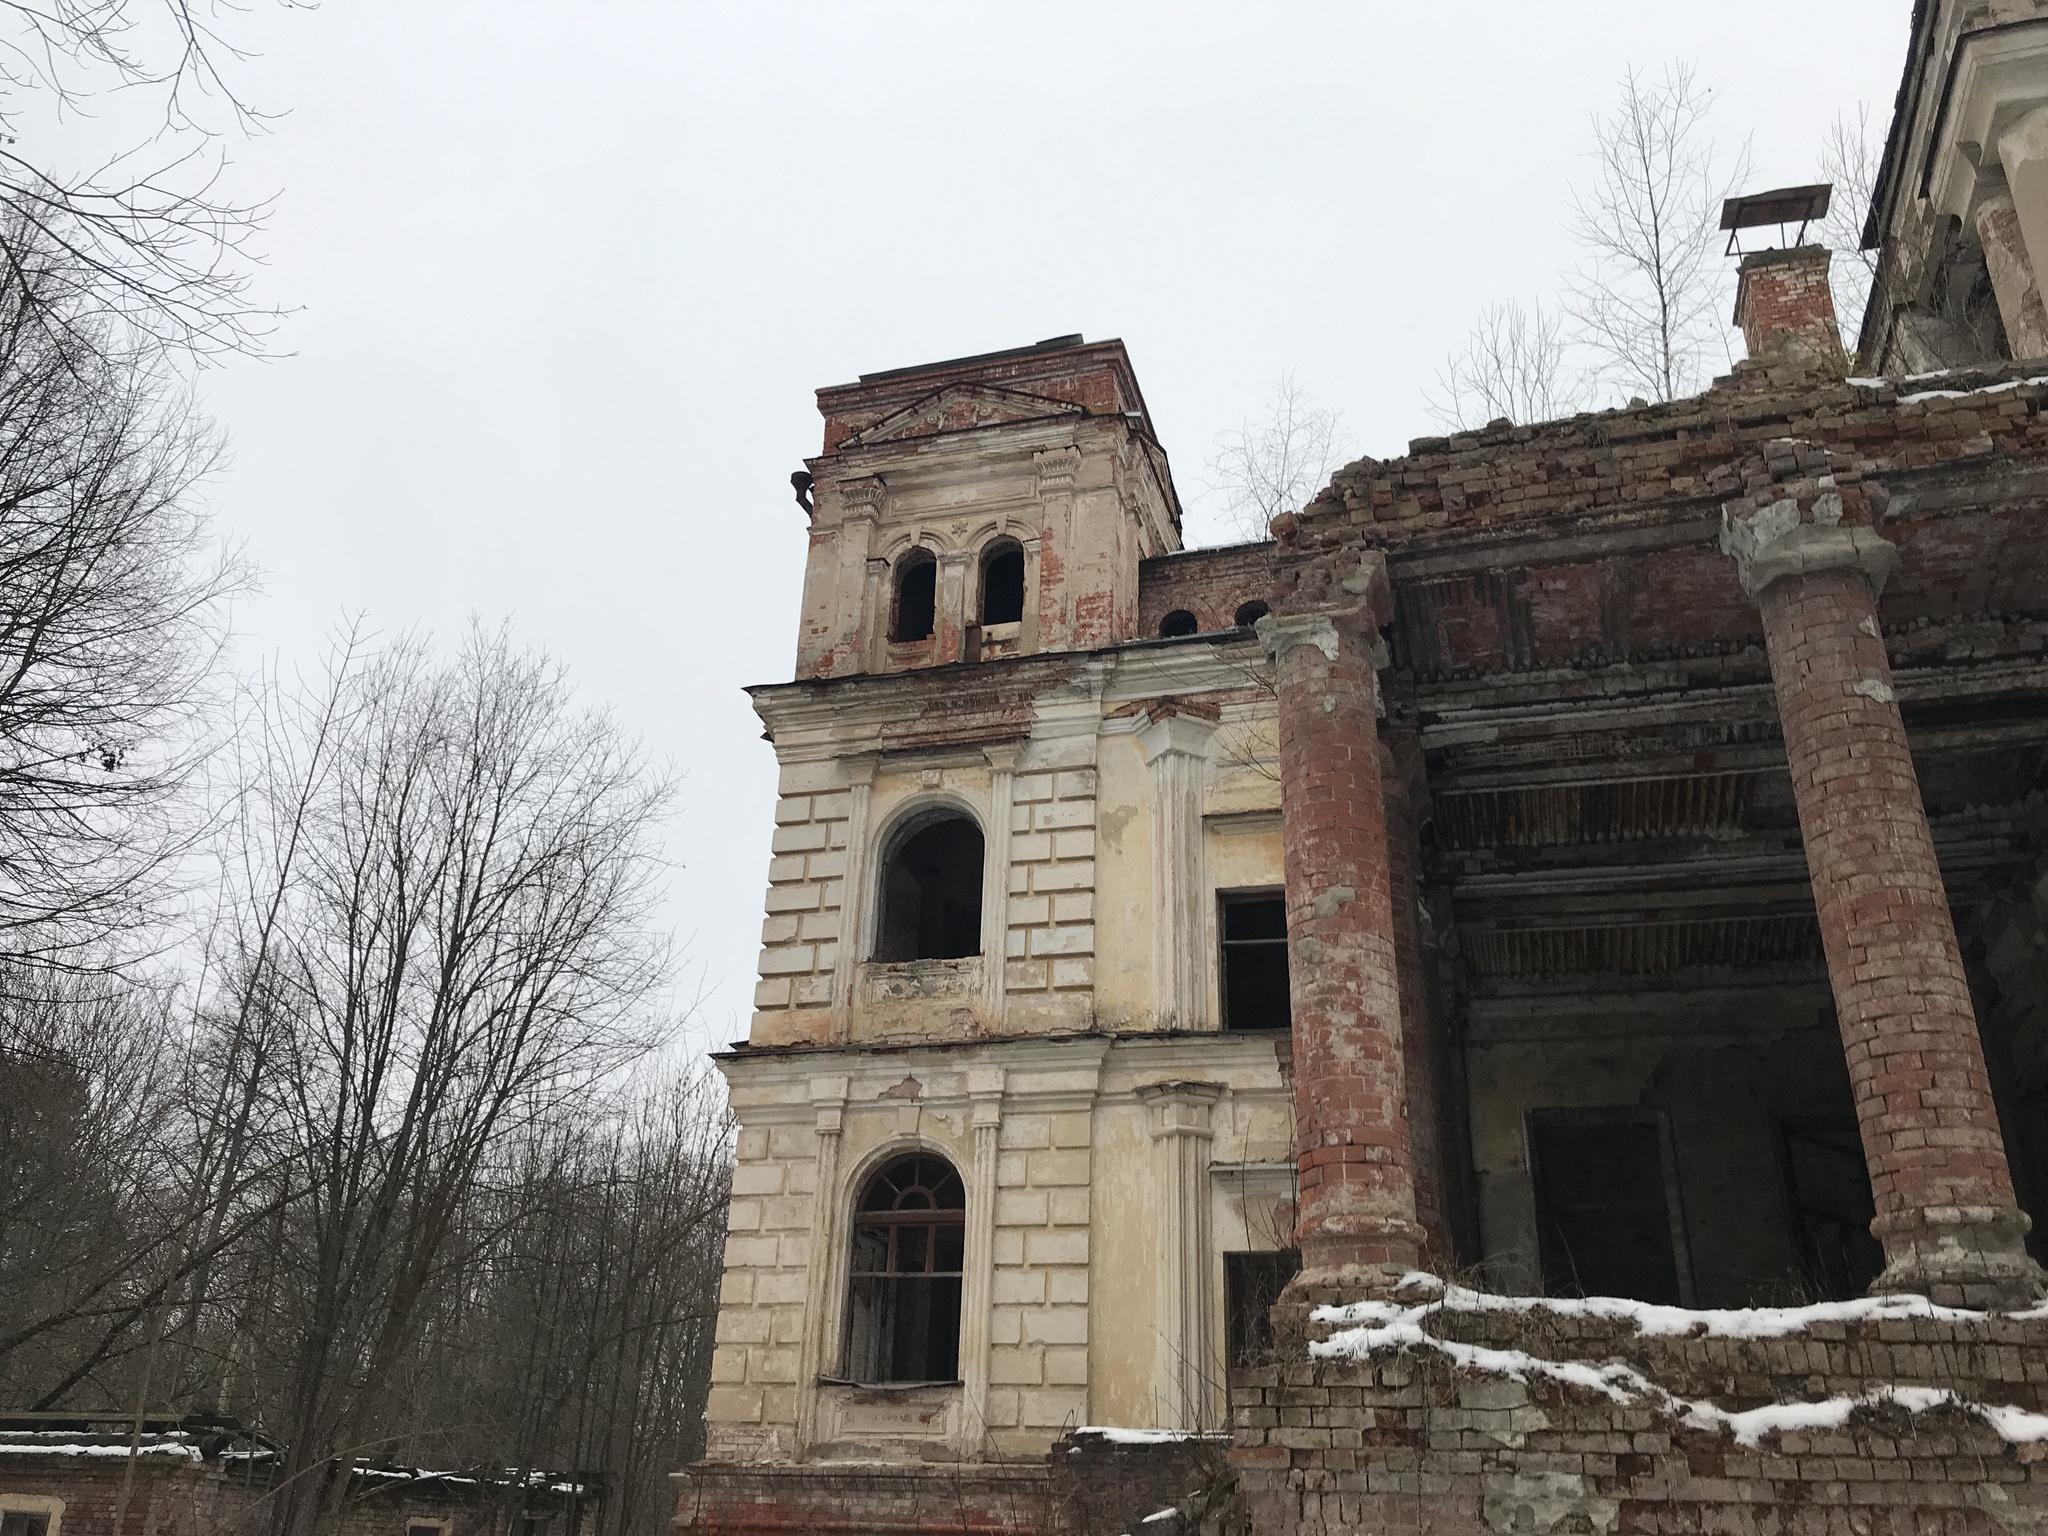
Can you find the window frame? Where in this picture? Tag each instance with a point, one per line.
(49, 1506)
(1245, 896)
(895, 1221)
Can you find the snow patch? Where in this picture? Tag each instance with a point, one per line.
(1119, 1436)
(1367, 1328)
(1963, 394)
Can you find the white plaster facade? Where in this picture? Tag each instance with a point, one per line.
(1114, 1141)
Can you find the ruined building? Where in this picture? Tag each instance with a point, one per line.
(1603, 857)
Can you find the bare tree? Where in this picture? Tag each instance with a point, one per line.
(462, 948)
(1277, 463)
(1648, 305)
(110, 615)
(1516, 364)
(155, 244)
(1849, 159)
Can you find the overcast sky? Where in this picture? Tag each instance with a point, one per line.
(566, 276)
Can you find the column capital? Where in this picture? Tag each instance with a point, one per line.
(1802, 515)
(1180, 1108)
(1282, 632)
(1171, 731)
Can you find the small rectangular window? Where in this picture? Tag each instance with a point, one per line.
(1252, 1282)
(1254, 983)
(20, 1522)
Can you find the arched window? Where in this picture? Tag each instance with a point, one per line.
(1002, 584)
(1250, 614)
(1177, 623)
(909, 1246)
(917, 596)
(931, 892)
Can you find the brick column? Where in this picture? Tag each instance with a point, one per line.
(1357, 1202)
(1946, 1213)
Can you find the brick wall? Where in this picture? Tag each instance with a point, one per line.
(1089, 1485)
(1407, 1442)
(1212, 584)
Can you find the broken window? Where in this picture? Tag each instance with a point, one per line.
(917, 597)
(1250, 614)
(909, 1243)
(1002, 585)
(1829, 1188)
(1605, 1208)
(1177, 623)
(931, 892)
(1254, 981)
(1252, 1282)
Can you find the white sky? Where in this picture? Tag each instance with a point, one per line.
(567, 276)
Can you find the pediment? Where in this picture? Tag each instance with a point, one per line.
(960, 408)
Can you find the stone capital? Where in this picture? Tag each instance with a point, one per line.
(1772, 543)
(1180, 1108)
(1282, 632)
(1187, 735)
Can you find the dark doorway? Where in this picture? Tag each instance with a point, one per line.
(1254, 928)
(1604, 1206)
(1252, 1282)
(1828, 1188)
(917, 597)
(931, 894)
(1002, 587)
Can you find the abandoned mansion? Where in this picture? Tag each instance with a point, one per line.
(1518, 1004)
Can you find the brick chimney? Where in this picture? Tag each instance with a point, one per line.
(1785, 307)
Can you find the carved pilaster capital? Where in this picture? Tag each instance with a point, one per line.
(1174, 732)
(1057, 468)
(1799, 518)
(862, 498)
(985, 1095)
(1180, 1108)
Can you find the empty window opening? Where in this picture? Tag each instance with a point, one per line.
(1254, 982)
(909, 1241)
(1002, 586)
(1250, 614)
(917, 597)
(1177, 623)
(22, 1522)
(1252, 1282)
(1604, 1206)
(931, 894)
(1829, 1188)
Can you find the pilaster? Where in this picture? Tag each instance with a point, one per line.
(985, 1120)
(1185, 1380)
(854, 892)
(828, 1100)
(995, 877)
(1176, 748)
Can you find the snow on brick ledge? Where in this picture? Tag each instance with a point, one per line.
(1363, 1332)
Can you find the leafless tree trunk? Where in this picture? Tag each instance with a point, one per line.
(1515, 365)
(1278, 463)
(1649, 303)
